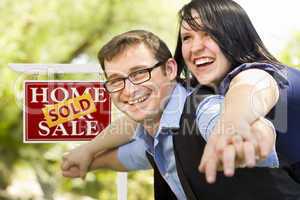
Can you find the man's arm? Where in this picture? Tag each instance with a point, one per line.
(128, 157)
(106, 160)
(117, 133)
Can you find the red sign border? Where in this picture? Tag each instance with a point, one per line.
(25, 136)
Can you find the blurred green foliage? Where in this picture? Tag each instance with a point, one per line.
(41, 31)
(290, 55)
(56, 31)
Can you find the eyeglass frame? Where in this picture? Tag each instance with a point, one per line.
(148, 69)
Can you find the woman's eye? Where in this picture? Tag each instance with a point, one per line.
(205, 34)
(184, 38)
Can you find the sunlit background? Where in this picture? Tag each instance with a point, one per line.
(72, 31)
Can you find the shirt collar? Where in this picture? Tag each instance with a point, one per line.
(171, 115)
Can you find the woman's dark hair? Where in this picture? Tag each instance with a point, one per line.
(229, 26)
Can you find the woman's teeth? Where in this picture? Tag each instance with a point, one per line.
(203, 61)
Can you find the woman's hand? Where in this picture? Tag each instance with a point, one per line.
(229, 151)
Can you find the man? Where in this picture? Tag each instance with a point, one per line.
(141, 77)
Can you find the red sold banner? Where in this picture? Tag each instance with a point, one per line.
(65, 110)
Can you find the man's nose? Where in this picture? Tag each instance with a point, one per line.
(129, 87)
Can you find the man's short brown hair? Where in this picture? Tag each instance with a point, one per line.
(118, 44)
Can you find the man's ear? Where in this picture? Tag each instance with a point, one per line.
(171, 69)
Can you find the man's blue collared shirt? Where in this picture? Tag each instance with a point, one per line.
(133, 156)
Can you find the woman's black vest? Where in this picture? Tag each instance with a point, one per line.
(247, 183)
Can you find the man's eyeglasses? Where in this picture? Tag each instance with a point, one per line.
(136, 77)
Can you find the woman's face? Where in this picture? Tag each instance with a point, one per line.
(202, 55)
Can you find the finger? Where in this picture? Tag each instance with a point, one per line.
(267, 146)
(69, 174)
(83, 171)
(211, 170)
(266, 134)
(245, 131)
(65, 156)
(223, 141)
(73, 172)
(229, 160)
(209, 150)
(84, 167)
(237, 141)
(66, 164)
(261, 150)
(249, 153)
(260, 144)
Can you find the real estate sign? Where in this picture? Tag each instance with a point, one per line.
(64, 110)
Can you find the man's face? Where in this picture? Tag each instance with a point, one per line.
(144, 101)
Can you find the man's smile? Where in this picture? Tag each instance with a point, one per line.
(138, 99)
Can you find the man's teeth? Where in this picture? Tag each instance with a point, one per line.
(138, 100)
(203, 61)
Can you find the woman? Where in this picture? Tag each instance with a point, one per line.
(228, 40)
(221, 48)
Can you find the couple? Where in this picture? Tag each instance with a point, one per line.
(143, 80)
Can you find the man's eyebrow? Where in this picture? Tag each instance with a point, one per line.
(138, 67)
(114, 76)
(133, 69)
